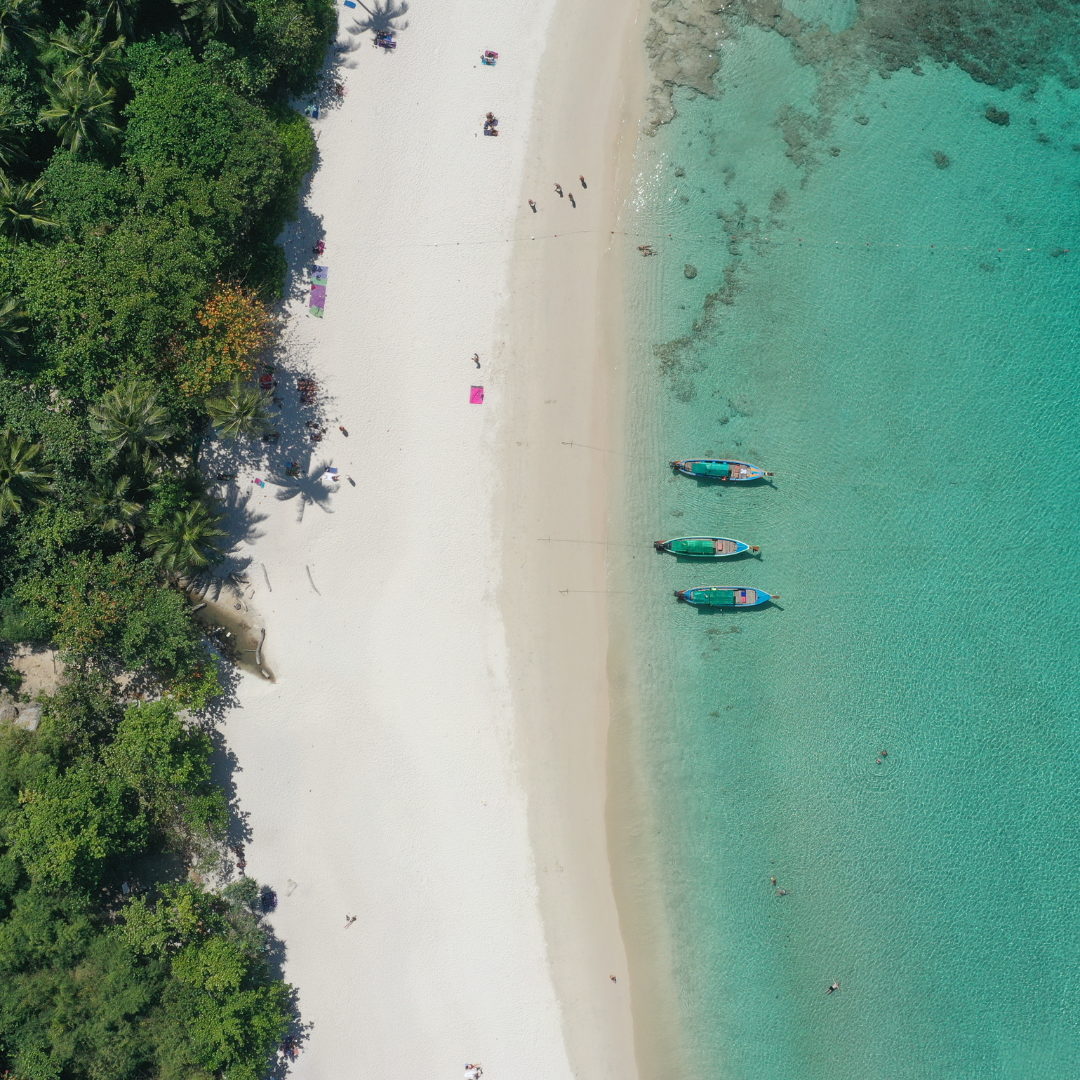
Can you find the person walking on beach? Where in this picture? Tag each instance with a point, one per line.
(558, 189)
(582, 179)
(476, 359)
(533, 205)
(572, 203)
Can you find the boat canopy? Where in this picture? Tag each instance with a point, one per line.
(693, 547)
(710, 468)
(717, 597)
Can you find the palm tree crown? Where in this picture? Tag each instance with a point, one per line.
(12, 323)
(22, 481)
(17, 17)
(12, 137)
(81, 111)
(22, 210)
(111, 508)
(212, 16)
(84, 53)
(130, 419)
(241, 410)
(117, 15)
(188, 541)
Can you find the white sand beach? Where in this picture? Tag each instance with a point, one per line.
(431, 758)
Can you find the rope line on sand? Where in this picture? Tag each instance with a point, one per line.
(586, 446)
(605, 543)
(880, 245)
(605, 592)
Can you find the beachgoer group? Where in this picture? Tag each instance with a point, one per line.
(558, 190)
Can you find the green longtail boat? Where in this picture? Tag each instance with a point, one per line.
(703, 547)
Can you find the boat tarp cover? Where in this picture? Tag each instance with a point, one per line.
(711, 468)
(693, 547)
(717, 597)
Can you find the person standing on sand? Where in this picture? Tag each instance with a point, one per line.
(558, 189)
(476, 359)
(533, 205)
(582, 179)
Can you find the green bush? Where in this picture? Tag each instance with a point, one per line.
(92, 987)
(113, 610)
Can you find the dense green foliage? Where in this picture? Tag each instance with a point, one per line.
(148, 161)
(96, 983)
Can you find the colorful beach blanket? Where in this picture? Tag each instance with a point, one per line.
(318, 290)
(476, 395)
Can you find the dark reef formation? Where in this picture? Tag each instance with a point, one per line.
(683, 46)
(1001, 43)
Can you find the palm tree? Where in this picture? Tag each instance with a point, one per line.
(17, 18)
(22, 481)
(241, 410)
(22, 210)
(130, 419)
(212, 16)
(11, 137)
(81, 111)
(111, 509)
(188, 541)
(12, 323)
(85, 53)
(117, 16)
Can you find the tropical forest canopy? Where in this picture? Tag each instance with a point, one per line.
(148, 160)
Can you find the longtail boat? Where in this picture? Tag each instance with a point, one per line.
(715, 469)
(703, 547)
(734, 596)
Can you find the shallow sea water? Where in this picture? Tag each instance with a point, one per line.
(900, 343)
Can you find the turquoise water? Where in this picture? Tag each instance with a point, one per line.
(897, 336)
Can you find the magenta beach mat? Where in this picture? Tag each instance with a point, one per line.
(476, 395)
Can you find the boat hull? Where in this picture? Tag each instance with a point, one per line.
(724, 596)
(712, 469)
(683, 546)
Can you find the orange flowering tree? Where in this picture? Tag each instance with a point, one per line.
(236, 327)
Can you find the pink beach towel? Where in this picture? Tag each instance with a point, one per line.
(476, 395)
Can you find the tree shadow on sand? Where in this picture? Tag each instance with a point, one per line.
(308, 486)
(380, 17)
